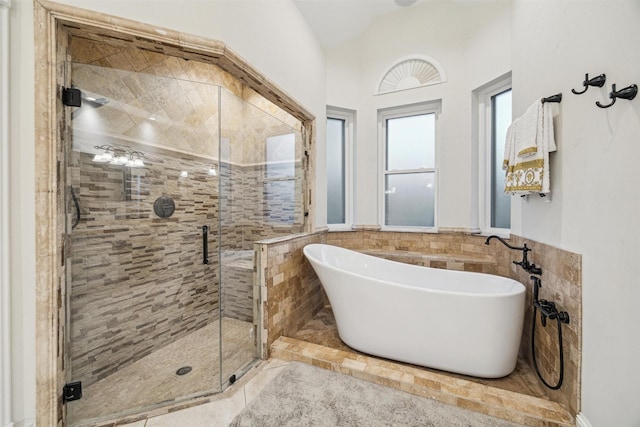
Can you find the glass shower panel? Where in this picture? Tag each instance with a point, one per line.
(261, 176)
(143, 300)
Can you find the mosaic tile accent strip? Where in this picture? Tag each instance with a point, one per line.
(515, 407)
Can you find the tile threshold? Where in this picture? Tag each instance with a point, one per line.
(512, 406)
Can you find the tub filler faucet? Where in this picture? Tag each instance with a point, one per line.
(528, 267)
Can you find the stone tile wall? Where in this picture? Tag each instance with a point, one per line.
(291, 292)
(127, 260)
(114, 54)
(237, 285)
(272, 208)
(137, 280)
(134, 288)
(453, 251)
(128, 44)
(561, 283)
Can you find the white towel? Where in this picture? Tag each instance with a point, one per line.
(527, 137)
(528, 172)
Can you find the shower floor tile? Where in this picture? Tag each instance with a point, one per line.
(152, 380)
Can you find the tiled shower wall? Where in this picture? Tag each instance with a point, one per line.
(561, 283)
(138, 280)
(259, 208)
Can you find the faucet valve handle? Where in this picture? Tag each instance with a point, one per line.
(537, 284)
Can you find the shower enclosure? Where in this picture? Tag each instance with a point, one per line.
(169, 182)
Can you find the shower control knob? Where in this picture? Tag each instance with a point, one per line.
(164, 206)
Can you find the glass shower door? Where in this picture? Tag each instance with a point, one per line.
(261, 177)
(143, 288)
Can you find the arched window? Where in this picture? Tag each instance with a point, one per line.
(410, 72)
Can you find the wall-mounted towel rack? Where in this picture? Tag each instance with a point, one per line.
(595, 81)
(628, 92)
(552, 98)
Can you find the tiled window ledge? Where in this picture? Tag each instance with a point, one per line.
(481, 264)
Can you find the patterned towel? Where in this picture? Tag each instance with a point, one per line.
(527, 169)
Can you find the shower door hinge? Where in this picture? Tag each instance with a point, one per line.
(72, 391)
(71, 97)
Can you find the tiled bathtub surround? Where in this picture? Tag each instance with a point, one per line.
(291, 291)
(465, 393)
(561, 283)
(452, 251)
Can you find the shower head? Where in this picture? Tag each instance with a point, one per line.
(90, 99)
(95, 102)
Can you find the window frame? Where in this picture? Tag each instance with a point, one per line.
(349, 118)
(485, 141)
(428, 107)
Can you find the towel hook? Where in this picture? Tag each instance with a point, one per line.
(552, 98)
(595, 81)
(628, 92)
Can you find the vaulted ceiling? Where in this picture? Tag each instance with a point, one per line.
(336, 21)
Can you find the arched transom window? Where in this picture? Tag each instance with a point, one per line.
(409, 73)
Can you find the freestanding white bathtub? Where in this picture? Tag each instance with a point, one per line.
(463, 322)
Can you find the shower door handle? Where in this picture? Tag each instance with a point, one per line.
(205, 244)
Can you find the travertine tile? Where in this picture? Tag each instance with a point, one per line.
(292, 291)
(153, 379)
(512, 406)
(220, 413)
(136, 424)
(561, 281)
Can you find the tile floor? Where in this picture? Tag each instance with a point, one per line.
(221, 412)
(152, 379)
(516, 399)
